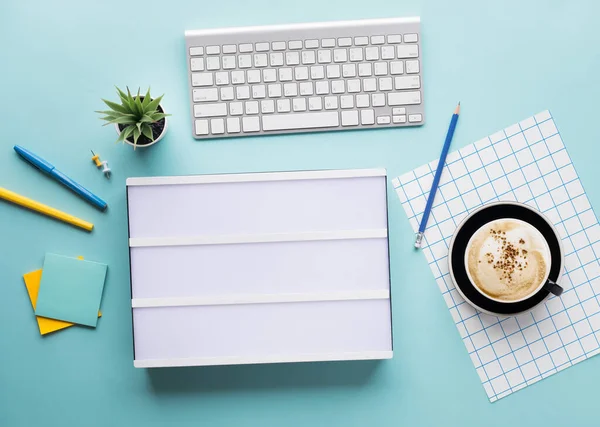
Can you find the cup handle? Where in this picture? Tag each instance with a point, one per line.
(553, 287)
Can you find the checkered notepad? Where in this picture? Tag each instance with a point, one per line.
(526, 162)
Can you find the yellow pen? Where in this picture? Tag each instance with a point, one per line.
(44, 209)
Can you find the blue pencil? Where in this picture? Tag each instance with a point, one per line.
(436, 179)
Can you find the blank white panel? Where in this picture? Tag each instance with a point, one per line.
(257, 330)
(257, 207)
(260, 268)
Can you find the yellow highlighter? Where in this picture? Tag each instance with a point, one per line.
(44, 209)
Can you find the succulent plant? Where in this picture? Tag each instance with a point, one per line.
(135, 113)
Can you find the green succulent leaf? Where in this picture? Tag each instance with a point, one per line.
(123, 120)
(147, 132)
(136, 135)
(116, 107)
(158, 116)
(147, 99)
(152, 106)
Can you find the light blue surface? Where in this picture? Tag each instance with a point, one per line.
(503, 60)
(71, 289)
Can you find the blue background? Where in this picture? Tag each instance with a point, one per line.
(504, 60)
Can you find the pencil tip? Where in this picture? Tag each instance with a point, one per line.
(457, 109)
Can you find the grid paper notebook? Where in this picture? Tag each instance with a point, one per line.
(526, 162)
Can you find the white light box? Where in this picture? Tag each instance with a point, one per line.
(259, 268)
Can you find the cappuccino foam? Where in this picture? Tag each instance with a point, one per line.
(508, 259)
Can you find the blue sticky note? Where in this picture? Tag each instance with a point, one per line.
(71, 289)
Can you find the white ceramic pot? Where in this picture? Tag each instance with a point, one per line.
(152, 143)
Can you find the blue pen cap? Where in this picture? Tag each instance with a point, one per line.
(33, 159)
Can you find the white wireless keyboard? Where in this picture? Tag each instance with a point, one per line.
(305, 77)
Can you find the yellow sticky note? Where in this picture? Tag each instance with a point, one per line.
(46, 325)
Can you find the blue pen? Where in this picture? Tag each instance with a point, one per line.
(49, 169)
(436, 179)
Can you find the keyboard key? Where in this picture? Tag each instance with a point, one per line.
(353, 85)
(385, 83)
(372, 53)
(283, 105)
(205, 95)
(197, 64)
(377, 39)
(362, 100)
(322, 87)
(210, 110)
(290, 89)
(338, 86)
(244, 61)
(251, 124)
(361, 41)
(333, 71)
(324, 56)
(411, 38)
(226, 93)
(238, 77)
(340, 55)
(315, 103)
(367, 117)
(365, 69)
(370, 85)
(276, 59)
(269, 75)
(328, 43)
(356, 54)
(285, 74)
(381, 68)
(344, 41)
(347, 101)
(349, 70)
(378, 100)
(388, 52)
(253, 76)
(262, 47)
(399, 119)
(396, 67)
(299, 104)
(394, 38)
(404, 98)
(412, 67)
(350, 118)
(222, 78)
(274, 90)
(308, 57)
(201, 127)
(292, 58)
(260, 59)
(408, 82)
(195, 51)
(213, 63)
(228, 62)
(233, 125)
(278, 45)
(383, 120)
(229, 48)
(202, 79)
(245, 48)
(236, 108)
(213, 50)
(306, 88)
(317, 72)
(267, 106)
(331, 103)
(258, 91)
(301, 121)
(242, 92)
(301, 73)
(397, 111)
(252, 107)
(311, 44)
(217, 126)
(414, 118)
(295, 44)
(407, 51)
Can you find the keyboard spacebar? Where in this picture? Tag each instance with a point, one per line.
(301, 121)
